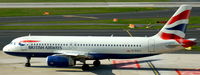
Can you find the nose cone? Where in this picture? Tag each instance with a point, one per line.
(6, 48)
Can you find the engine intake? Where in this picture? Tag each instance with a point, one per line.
(60, 61)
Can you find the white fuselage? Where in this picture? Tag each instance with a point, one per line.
(92, 45)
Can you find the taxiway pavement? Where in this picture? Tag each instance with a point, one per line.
(164, 64)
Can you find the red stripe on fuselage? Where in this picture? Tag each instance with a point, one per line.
(183, 15)
(29, 41)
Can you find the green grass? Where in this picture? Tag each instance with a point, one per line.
(65, 11)
(196, 48)
(84, 0)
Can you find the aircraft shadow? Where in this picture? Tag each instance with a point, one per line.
(107, 69)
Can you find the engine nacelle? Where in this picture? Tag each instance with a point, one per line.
(60, 61)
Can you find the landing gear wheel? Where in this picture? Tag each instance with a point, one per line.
(74, 62)
(85, 67)
(96, 63)
(27, 64)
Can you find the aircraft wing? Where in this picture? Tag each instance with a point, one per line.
(77, 54)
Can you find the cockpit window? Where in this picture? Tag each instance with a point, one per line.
(12, 43)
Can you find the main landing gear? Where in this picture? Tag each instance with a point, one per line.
(96, 63)
(27, 64)
(86, 67)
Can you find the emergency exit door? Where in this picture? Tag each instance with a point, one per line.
(151, 44)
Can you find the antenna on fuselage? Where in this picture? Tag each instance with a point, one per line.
(111, 35)
(29, 34)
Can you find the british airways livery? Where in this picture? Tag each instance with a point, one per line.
(66, 50)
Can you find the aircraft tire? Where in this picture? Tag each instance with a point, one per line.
(27, 64)
(85, 67)
(96, 63)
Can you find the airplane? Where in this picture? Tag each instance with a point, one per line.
(64, 51)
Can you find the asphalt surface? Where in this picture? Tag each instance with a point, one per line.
(164, 64)
(96, 4)
(104, 16)
(6, 36)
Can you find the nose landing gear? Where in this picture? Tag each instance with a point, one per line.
(28, 64)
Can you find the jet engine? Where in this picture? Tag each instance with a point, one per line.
(60, 61)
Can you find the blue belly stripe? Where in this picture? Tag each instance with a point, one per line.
(29, 54)
(93, 55)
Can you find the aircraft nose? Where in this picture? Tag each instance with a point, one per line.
(6, 48)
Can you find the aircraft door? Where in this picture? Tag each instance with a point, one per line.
(151, 45)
